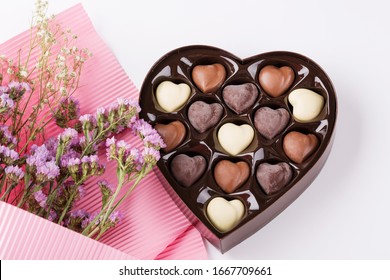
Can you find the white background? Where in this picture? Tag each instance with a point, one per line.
(345, 213)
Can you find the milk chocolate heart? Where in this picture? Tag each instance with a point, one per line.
(273, 177)
(276, 81)
(173, 134)
(208, 78)
(298, 146)
(270, 122)
(202, 116)
(187, 170)
(230, 176)
(261, 197)
(240, 97)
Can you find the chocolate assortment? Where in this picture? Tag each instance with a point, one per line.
(244, 137)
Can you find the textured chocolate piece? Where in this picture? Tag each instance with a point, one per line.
(260, 208)
(173, 134)
(298, 146)
(187, 170)
(208, 78)
(239, 98)
(203, 116)
(230, 176)
(273, 177)
(270, 122)
(276, 81)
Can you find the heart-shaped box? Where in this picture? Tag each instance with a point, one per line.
(272, 157)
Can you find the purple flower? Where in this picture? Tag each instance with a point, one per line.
(115, 217)
(110, 141)
(39, 155)
(142, 127)
(7, 155)
(6, 137)
(88, 121)
(52, 215)
(106, 185)
(100, 111)
(122, 145)
(80, 213)
(154, 140)
(151, 155)
(14, 173)
(6, 102)
(81, 191)
(67, 135)
(47, 171)
(41, 198)
(4, 89)
(19, 86)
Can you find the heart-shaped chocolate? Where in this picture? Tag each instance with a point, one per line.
(202, 116)
(281, 165)
(276, 81)
(239, 98)
(298, 146)
(173, 134)
(223, 214)
(208, 78)
(270, 122)
(187, 170)
(230, 176)
(307, 104)
(235, 138)
(171, 96)
(273, 177)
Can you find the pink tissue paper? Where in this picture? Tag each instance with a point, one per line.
(153, 227)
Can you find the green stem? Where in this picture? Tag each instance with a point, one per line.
(68, 204)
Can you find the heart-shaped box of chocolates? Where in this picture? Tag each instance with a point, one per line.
(244, 137)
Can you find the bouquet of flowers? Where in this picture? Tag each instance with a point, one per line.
(47, 176)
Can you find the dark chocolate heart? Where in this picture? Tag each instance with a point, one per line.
(270, 122)
(298, 146)
(203, 116)
(173, 134)
(230, 176)
(187, 170)
(276, 81)
(208, 78)
(261, 201)
(239, 98)
(273, 177)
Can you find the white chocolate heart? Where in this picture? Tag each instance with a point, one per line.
(306, 103)
(235, 138)
(171, 96)
(223, 214)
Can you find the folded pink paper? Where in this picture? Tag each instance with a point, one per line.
(153, 227)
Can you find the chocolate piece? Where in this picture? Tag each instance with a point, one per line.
(298, 146)
(239, 98)
(276, 81)
(230, 176)
(273, 177)
(208, 78)
(173, 134)
(171, 96)
(306, 103)
(223, 214)
(235, 138)
(203, 116)
(187, 170)
(270, 122)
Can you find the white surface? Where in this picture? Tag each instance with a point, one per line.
(345, 213)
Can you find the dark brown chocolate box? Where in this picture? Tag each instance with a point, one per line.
(261, 205)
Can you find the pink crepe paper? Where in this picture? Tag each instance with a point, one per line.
(153, 226)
